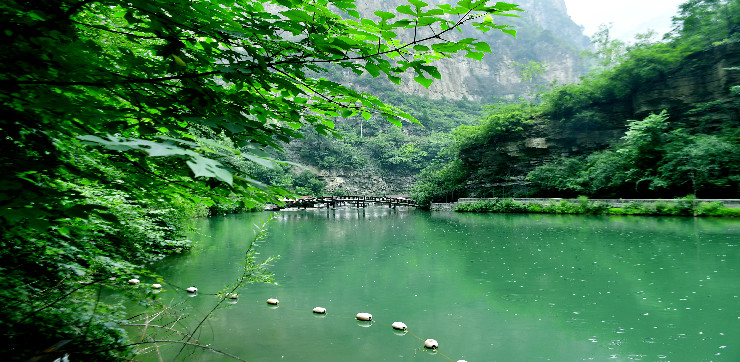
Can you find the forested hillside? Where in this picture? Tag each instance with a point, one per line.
(374, 157)
(660, 119)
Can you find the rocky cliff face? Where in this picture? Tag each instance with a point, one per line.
(546, 34)
(365, 182)
(705, 77)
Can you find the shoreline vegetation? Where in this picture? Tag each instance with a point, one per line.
(686, 206)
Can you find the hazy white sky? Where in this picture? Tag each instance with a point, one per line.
(629, 17)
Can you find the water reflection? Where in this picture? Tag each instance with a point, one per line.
(345, 213)
(488, 287)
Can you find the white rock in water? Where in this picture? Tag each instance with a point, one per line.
(431, 344)
(273, 301)
(157, 286)
(364, 317)
(191, 289)
(399, 325)
(319, 310)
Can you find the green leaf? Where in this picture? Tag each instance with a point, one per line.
(474, 55)
(511, 32)
(372, 69)
(298, 15)
(371, 25)
(385, 15)
(262, 161)
(206, 167)
(64, 231)
(403, 23)
(434, 12)
(433, 72)
(418, 3)
(405, 9)
(423, 81)
(467, 4)
(482, 47)
(506, 7)
(395, 121)
(394, 79)
(388, 34)
(448, 47)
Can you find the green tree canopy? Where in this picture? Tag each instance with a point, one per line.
(138, 75)
(115, 114)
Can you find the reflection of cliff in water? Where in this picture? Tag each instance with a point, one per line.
(516, 287)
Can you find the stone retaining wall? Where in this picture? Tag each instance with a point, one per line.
(731, 203)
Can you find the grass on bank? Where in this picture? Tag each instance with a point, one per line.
(683, 207)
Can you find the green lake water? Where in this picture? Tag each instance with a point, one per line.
(486, 287)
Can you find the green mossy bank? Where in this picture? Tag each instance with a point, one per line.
(687, 206)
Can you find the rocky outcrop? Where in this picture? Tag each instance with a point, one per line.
(705, 76)
(365, 182)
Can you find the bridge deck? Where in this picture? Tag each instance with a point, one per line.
(334, 201)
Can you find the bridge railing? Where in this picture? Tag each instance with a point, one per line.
(348, 199)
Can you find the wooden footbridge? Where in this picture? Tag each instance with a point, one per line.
(331, 202)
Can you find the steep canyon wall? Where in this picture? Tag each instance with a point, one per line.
(704, 77)
(545, 34)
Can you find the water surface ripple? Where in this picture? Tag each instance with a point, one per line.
(487, 287)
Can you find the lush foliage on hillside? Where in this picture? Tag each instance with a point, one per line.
(121, 120)
(650, 160)
(693, 150)
(376, 144)
(374, 147)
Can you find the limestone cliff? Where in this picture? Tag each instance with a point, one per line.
(546, 34)
(704, 77)
(365, 182)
